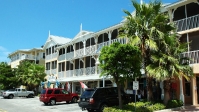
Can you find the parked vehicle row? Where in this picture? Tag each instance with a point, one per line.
(92, 99)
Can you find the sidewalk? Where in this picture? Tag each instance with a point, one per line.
(186, 108)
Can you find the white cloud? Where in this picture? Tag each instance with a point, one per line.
(4, 54)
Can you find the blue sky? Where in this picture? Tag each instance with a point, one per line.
(25, 24)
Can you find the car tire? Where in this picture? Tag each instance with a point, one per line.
(52, 102)
(74, 100)
(102, 107)
(90, 110)
(30, 96)
(45, 103)
(11, 96)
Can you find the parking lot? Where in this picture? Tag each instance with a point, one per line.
(23, 104)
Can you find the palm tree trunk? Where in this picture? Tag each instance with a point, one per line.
(166, 91)
(149, 88)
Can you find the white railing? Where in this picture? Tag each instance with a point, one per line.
(90, 70)
(69, 55)
(53, 71)
(69, 73)
(90, 49)
(61, 57)
(120, 40)
(61, 74)
(79, 72)
(48, 72)
(187, 23)
(54, 55)
(192, 55)
(79, 53)
(27, 56)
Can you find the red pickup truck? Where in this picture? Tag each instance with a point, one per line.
(53, 95)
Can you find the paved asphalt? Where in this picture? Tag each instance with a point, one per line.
(23, 104)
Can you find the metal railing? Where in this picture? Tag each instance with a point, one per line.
(192, 55)
(187, 23)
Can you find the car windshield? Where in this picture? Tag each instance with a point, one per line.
(88, 93)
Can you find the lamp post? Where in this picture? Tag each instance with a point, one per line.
(97, 63)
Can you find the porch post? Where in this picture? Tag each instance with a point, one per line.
(181, 91)
(162, 89)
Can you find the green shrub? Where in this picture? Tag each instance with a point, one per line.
(174, 103)
(140, 107)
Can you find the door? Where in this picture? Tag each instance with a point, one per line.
(65, 95)
(58, 95)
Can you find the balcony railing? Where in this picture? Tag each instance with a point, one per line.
(69, 73)
(51, 56)
(48, 72)
(30, 57)
(192, 55)
(90, 50)
(53, 71)
(61, 57)
(90, 70)
(69, 55)
(61, 74)
(187, 23)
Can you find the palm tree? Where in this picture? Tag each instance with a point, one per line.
(30, 74)
(167, 63)
(145, 28)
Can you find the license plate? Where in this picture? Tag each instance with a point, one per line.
(83, 99)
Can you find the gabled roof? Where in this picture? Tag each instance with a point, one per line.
(57, 39)
(81, 33)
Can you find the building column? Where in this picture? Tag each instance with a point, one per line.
(162, 89)
(84, 44)
(181, 90)
(109, 37)
(194, 91)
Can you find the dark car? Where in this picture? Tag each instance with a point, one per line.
(98, 98)
(57, 95)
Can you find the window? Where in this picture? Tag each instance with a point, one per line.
(64, 91)
(57, 91)
(49, 91)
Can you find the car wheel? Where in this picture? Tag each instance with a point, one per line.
(30, 96)
(74, 100)
(90, 110)
(102, 107)
(10, 96)
(45, 103)
(68, 102)
(52, 102)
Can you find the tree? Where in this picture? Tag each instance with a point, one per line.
(30, 74)
(121, 62)
(167, 63)
(146, 28)
(7, 76)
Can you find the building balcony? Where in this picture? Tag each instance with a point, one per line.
(187, 23)
(51, 56)
(192, 55)
(29, 57)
